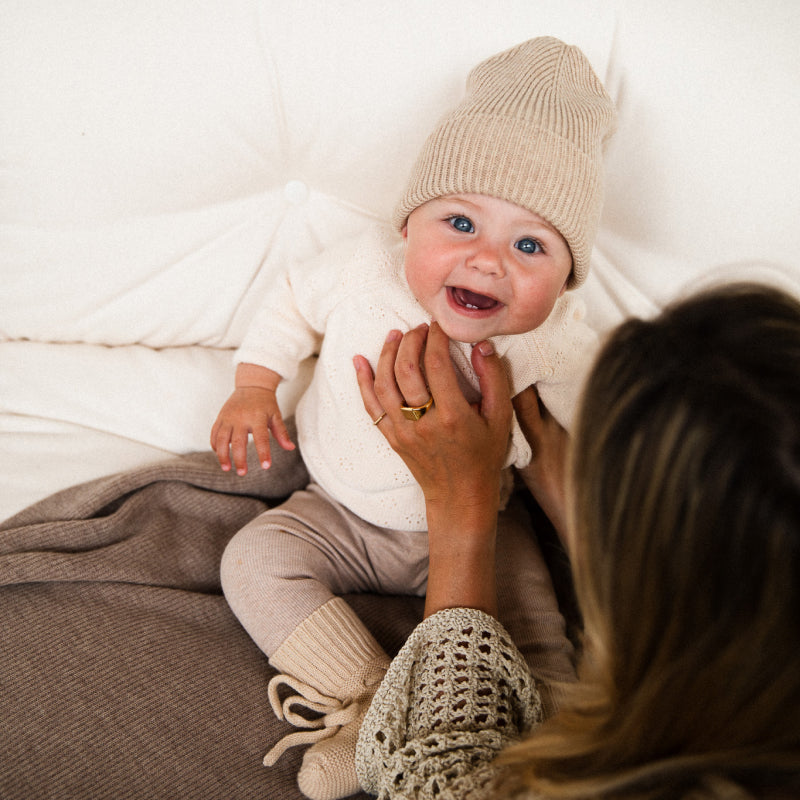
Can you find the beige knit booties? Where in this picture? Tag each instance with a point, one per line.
(335, 666)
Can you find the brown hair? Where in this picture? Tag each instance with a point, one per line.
(685, 473)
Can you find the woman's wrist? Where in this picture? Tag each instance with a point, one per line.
(461, 566)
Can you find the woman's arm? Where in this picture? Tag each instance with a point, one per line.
(545, 476)
(459, 691)
(456, 694)
(455, 452)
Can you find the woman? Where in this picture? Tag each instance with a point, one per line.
(683, 526)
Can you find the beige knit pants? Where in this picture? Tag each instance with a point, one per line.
(291, 560)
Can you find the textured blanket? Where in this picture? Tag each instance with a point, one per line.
(123, 674)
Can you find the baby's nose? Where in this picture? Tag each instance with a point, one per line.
(488, 260)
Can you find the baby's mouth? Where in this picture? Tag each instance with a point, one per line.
(472, 301)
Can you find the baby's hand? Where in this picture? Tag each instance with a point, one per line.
(249, 410)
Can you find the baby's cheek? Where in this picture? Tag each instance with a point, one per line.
(531, 314)
(423, 288)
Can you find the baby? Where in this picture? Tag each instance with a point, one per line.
(496, 224)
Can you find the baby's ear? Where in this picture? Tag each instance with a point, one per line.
(404, 231)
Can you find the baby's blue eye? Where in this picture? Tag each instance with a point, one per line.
(462, 224)
(528, 246)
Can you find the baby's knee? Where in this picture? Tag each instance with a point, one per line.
(244, 558)
(262, 556)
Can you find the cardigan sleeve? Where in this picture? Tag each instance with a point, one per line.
(279, 336)
(292, 319)
(457, 693)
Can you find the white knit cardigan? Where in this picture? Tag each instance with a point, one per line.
(343, 303)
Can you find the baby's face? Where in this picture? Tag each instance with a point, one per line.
(483, 267)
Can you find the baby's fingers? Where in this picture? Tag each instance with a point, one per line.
(278, 428)
(261, 442)
(239, 450)
(220, 444)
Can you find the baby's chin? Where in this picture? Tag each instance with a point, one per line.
(470, 333)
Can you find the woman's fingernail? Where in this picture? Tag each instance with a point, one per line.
(485, 348)
(393, 336)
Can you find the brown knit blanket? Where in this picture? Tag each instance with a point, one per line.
(123, 674)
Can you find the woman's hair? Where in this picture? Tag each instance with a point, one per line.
(685, 504)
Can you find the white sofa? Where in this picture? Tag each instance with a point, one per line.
(160, 161)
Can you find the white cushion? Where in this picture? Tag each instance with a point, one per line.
(160, 161)
(163, 159)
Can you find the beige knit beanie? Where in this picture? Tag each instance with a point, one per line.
(530, 130)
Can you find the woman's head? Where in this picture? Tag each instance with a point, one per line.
(686, 545)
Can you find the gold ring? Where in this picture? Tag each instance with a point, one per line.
(415, 412)
(378, 419)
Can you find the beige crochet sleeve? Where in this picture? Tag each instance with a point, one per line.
(458, 692)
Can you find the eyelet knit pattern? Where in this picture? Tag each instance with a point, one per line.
(344, 302)
(457, 693)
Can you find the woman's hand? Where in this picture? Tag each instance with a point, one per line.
(545, 476)
(455, 451)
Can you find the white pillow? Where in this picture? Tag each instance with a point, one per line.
(163, 159)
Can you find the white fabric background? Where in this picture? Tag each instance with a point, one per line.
(160, 161)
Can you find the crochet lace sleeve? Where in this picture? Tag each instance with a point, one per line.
(458, 692)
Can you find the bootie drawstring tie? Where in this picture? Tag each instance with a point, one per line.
(334, 714)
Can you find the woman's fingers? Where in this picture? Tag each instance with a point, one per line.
(456, 450)
(415, 366)
(545, 476)
(408, 371)
(529, 414)
(439, 369)
(379, 391)
(366, 385)
(495, 390)
(387, 389)
(398, 379)
(495, 404)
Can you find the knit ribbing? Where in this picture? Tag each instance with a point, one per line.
(332, 651)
